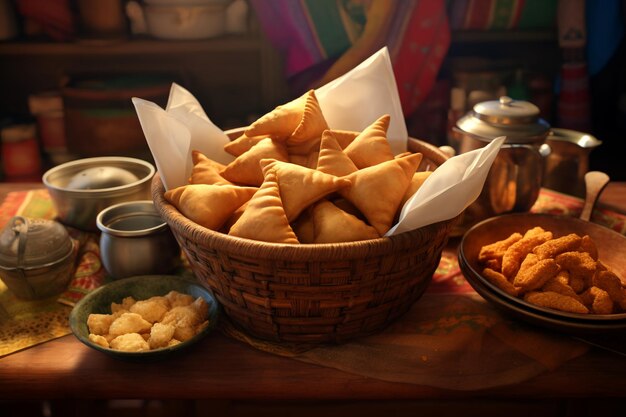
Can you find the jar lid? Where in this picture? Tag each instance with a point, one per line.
(45, 102)
(518, 120)
(17, 133)
(27, 243)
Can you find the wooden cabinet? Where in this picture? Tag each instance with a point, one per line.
(232, 76)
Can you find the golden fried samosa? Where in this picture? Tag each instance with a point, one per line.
(264, 218)
(371, 147)
(378, 190)
(300, 186)
(245, 169)
(209, 205)
(206, 171)
(344, 137)
(243, 144)
(332, 159)
(297, 121)
(333, 225)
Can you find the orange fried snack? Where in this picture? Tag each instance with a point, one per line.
(536, 275)
(496, 250)
(563, 273)
(556, 301)
(500, 281)
(598, 300)
(554, 247)
(515, 254)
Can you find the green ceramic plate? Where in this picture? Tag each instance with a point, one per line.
(140, 288)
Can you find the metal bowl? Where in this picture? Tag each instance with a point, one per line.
(83, 188)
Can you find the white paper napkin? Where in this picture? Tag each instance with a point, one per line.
(356, 99)
(449, 189)
(174, 132)
(351, 102)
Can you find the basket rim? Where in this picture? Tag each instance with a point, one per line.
(343, 251)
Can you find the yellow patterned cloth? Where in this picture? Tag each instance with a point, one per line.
(27, 323)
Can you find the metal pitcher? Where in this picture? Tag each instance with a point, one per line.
(516, 176)
(569, 161)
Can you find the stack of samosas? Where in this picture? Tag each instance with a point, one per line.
(294, 180)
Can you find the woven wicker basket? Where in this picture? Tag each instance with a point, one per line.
(322, 293)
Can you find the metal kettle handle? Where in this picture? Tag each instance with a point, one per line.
(20, 228)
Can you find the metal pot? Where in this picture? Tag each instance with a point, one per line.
(36, 257)
(569, 160)
(515, 178)
(136, 241)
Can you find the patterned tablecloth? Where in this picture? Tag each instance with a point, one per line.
(451, 338)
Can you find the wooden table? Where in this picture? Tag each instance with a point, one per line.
(221, 369)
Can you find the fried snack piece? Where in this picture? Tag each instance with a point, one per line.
(344, 137)
(415, 184)
(515, 254)
(580, 266)
(245, 169)
(296, 121)
(597, 300)
(209, 205)
(160, 335)
(129, 323)
(125, 305)
(308, 160)
(588, 245)
(378, 190)
(300, 187)
(187, 320)
(130, 342)
(206, 170)
(177, 299)
(243, 144)
(332, 160)
(500, 281)
(371, 146)
(554, 247)
(535, 276)
(99, 324)
(560, 284)
(152, 309)
(332, 225)
(264, 219)
(556, 301)
(496, 250)
(99, 340)
(304, 228)
(610, 282)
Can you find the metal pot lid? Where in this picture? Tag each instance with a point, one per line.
(518, 120)
(27, 243)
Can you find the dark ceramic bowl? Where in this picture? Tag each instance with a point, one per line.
(140, 288)
(611, 249)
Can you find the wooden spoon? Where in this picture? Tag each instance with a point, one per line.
(595, 181)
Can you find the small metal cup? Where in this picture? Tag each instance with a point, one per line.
(136, 241)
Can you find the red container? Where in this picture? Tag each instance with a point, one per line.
(21, 156)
